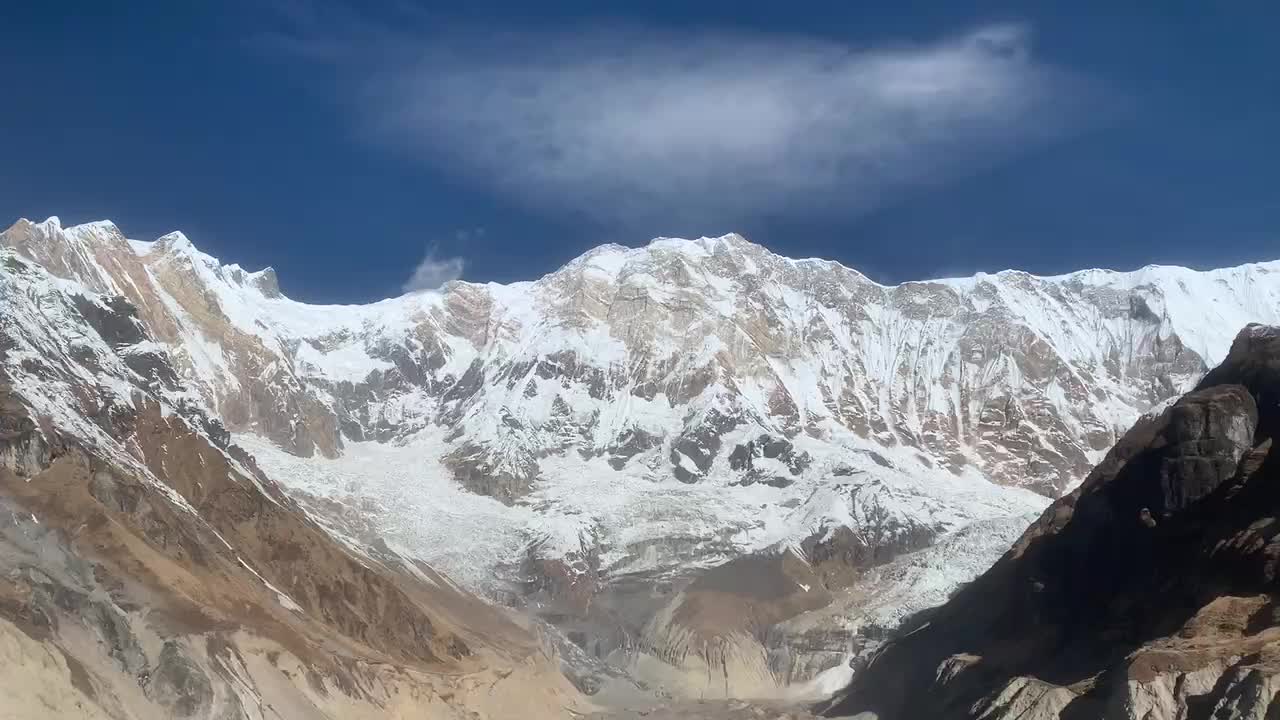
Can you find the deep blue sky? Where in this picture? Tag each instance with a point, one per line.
(192, 116)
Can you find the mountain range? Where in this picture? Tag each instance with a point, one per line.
(698, 466)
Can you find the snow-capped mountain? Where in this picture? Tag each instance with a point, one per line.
(148, 567)
(646, 412)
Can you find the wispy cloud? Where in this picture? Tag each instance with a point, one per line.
(707, 125)
(432, 272)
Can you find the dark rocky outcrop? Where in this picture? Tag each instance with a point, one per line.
(1146, 593)
(744, 459)
(700, 445)
(115, 319)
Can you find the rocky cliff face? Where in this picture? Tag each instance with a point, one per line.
(149, 568)
(1148, 592)
(603, 436)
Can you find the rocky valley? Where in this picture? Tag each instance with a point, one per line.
(687, 471)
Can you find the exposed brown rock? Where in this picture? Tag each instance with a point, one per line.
(153, 571)
(1146, 593)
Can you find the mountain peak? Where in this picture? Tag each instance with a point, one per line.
(176, 241)
(610, 259)
(51, 224)
(52, 229)
(703, 245)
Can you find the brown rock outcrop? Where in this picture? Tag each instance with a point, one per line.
(1149, 592)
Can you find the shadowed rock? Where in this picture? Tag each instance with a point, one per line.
(1146, 593)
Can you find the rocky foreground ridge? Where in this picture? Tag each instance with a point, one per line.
(1148, 592)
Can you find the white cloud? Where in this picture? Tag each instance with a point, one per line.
(617, 123)
(433, 272)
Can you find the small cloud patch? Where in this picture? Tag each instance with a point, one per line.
(434, 271)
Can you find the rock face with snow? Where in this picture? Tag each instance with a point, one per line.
(603, 435)
(685, 355)
(149, 569)
(1148, 592)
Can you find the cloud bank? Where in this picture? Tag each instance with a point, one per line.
(621, 123)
